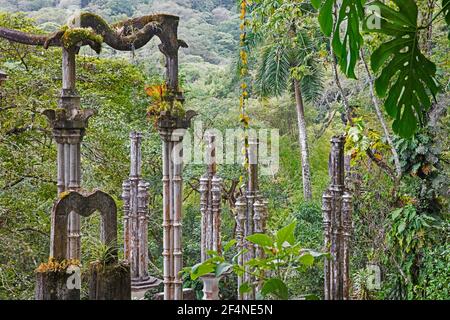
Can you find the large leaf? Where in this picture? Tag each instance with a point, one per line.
(306, 259)
(347, 47)
(223, 268)
(346, 36)
(275, 287)
(446, 10)
(260, 239)
(316, 3)
(286, 234)
(326, 17)
(407, 78)
(201, 269)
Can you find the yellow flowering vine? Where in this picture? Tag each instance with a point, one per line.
(244, 118)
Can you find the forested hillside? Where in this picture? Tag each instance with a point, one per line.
(397, 172)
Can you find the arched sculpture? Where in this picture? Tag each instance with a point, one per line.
(109, 278)
(83, 206)
(69, 121)
(87, 29)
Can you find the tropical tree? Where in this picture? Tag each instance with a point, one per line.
(287, 62)
(289, 66)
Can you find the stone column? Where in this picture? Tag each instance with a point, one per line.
(240, 206)
(251, 217)
(171, 129)
(135, 197)
(210, 207)
(326, 209)
(69, 123)
(210, 204)
(337, 207)
(347, 233)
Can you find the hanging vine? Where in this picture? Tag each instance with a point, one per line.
(244, 53)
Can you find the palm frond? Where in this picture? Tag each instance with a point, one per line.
(312, 83)
(273, 70)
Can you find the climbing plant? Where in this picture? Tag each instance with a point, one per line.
(407, 79)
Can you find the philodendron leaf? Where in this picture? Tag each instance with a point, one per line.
(223, 268)
(346, 36)
(408, 78)
(346, 46)
(306, 259)
(326, 17)
(275, 287)
(316, 3)
(260, 239)
(201, 269)
(286, 235)
(229, 245)
(446, 10)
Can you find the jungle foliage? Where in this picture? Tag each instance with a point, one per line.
(401, 222)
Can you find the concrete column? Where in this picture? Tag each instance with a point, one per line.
(337, 207)
(135, 196)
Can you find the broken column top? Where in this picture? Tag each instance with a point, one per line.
(336, 164)
(136, 155)
(211, 153)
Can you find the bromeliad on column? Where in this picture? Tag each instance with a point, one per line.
(135, 197)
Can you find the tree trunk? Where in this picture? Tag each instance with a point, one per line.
(303, 139)
(376, 104)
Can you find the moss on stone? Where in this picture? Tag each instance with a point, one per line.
(73, 36)
(52, 265)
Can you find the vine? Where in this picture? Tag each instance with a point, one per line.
(243, 51)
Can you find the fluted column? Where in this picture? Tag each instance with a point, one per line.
(347, 232)
(126, 218)
(216, 193)
(240, 207)
(251, 217)
(204, 215)
(177, 180)
(210, 204)
(326, 209)
(337, 207)
(135, 197)
(69, 123)
(172, 129)
(167, 224)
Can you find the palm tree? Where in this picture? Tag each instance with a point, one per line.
(288, 65)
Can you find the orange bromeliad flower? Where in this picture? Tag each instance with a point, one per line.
(156, 92)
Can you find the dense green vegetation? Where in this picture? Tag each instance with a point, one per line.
(400, 183)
